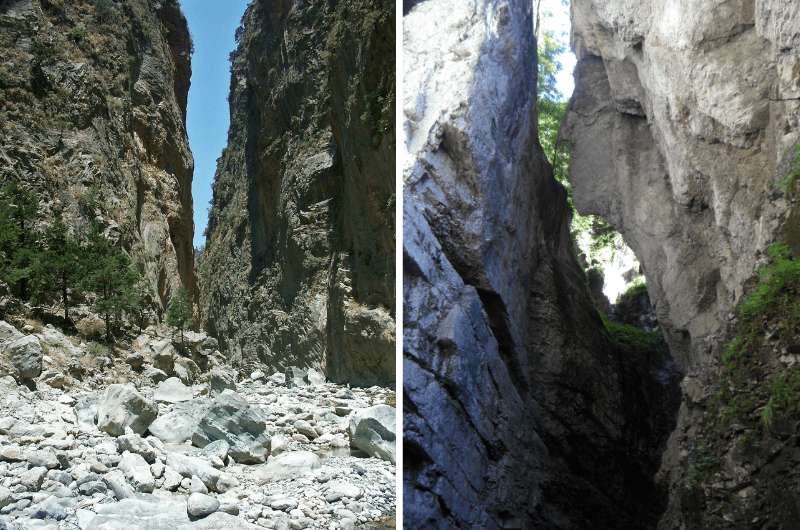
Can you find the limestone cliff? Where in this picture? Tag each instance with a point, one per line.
(299, 263)
(684, 126)
(93, 101)
(521, 409)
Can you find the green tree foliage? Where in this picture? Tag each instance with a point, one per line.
(179, 312)
(113, 278)
(58, 264)
(552, 106)
(18, 213)
(43, 264)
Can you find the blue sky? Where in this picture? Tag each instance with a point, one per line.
(212, 24)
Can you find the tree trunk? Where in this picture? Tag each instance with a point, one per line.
(65, 297)
(23, 282)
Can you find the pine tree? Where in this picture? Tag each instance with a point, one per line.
(109, 273)
(58, 264)
(19, 209)
(179, 312)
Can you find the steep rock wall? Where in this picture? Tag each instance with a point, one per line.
(683, 121)
(299, 263)
(520, 411)
(95, 99)
(684, 124)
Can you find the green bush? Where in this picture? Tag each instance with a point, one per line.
(787, 183)
(98, 350)
(776, 298)
(78, 33)
(635, 339)
(702, 464)
(104, 9)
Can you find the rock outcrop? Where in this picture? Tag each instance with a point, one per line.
(685, 124)
(521, 409)
(92, 117)
(298, 268)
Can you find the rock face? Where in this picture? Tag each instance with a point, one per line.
(521, 410)
(299, 263)
(684, 124)
(698, 110)
(92, 104)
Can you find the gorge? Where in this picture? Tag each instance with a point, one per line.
(267, 400)
(524, 407)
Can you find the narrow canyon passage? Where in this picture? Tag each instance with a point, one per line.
(248, 386)
(524, 407)
(212, 26)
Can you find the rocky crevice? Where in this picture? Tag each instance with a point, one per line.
(521, 409)
(683, 128)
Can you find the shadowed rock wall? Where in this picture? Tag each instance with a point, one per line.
(520, 409)
(684, 125)
(299, 263)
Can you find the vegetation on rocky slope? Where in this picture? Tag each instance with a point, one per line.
(46, 263)
(92, 97)
(736, 457)
(768, 321)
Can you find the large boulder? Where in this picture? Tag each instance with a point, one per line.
(286, 466)
(172, 391)
(200, 505)
(212, 478)
(231, 418)
(186, 370)
(163, 354)
(180, 423)
(25, 355)
(220, 379)
(373, 431)
(137, 471)
(9, 333)
(123, 406)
